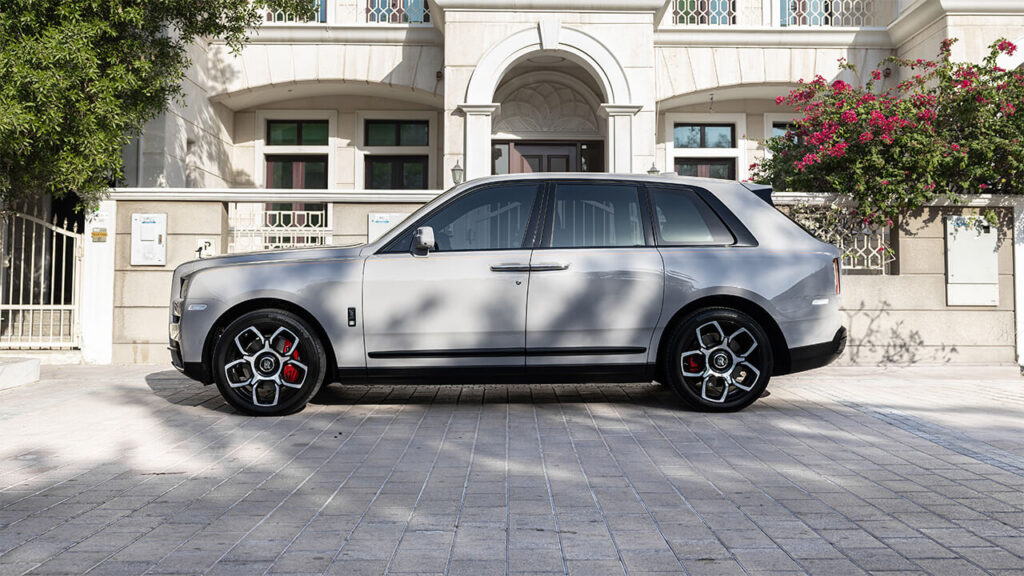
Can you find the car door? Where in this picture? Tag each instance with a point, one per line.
(463, 304)
(597, 280)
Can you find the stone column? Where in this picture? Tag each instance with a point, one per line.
(620, 136)
(477, 146)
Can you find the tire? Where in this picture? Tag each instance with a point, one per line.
(721, 349)
(269, 363)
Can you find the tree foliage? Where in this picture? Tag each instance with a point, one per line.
(951, 128)
(79, 79)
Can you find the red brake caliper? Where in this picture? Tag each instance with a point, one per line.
(290, 373)
(692, 364)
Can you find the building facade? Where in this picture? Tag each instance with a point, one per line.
(325, 128)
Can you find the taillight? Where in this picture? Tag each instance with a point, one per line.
(835, 267)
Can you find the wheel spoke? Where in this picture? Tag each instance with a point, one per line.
(287, 344)
(744, 376)
(256, 393)
(241, 363)
(735, 336)
(694, 363)
(701, 332)
(293, 374)
(250, 335)
(704, 389)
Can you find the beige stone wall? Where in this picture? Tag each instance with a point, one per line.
(142, 293)
(903, 319)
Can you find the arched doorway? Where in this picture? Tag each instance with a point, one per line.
(588, 68)
(548, 120)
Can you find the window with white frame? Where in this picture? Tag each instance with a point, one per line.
(396, 150)
(706, 145)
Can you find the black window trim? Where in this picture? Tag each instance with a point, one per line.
(394, 246)
(709, 160)
(398, 132)
(704, 136)
(543, 239)
(298, 130)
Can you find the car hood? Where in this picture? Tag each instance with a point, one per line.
(326, 252)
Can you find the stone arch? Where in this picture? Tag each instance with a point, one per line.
(582, 48)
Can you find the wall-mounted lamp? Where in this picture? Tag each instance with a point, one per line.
(653, 170)
(458, 173)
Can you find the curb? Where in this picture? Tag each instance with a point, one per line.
(17, 371)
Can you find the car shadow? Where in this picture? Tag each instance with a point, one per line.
(177, 389)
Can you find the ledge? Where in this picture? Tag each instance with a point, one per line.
(271, 195)
(312, 33)
(773, 37)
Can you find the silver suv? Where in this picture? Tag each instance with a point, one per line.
(700, 284)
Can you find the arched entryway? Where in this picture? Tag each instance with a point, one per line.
(548, 120)
(557, 89)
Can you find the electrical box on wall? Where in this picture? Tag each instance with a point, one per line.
(149, 239)
(972, 262)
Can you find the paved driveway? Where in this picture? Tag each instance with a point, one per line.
(135, 470)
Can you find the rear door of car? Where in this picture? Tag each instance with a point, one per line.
(597, 280)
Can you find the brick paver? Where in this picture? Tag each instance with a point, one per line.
(136, 470)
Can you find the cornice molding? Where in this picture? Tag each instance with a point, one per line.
(764, 37)
(554, 5)
(920, 15)
(384, 34)
(270, 195)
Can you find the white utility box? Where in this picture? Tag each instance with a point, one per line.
(972, 262)
(380, 223)
(149, 239)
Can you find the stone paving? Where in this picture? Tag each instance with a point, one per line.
(136, 470)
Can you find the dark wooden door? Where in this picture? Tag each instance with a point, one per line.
(531, 158)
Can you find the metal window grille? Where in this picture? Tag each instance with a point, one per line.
(397, 11)
(254, 228)
(837, 13)
(40, 277)
(705, 12)
(318, 15)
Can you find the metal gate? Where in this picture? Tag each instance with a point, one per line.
(40, 276)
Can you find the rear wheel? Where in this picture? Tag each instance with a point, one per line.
(269, 362)
(718, 360)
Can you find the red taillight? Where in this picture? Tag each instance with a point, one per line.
(835, 266)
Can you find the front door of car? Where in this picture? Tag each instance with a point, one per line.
(597, 280)
(463, 304)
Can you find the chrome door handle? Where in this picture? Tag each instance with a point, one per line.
(510, 268)
(549, 266)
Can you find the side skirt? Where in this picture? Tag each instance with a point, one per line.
(622, 373)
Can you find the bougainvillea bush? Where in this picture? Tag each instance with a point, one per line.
(951, 128)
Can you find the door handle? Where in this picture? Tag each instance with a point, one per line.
(510, 268)
(549, 266)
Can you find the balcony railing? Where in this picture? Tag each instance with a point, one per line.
(318, 15)
(397, 11)
(836, 13)
(254, 227)
(704, 12)
(783, 13)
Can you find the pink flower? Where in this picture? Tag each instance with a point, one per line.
(779, 100)
(1007, 47)
(983, 186)
(849, 116)
(876, 74)
(1008, 109)
(885, 182)
(955, 147)
(866, 137)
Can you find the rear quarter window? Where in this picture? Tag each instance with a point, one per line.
(682, 218)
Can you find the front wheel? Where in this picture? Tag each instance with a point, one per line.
(718, 360)
(269, 362)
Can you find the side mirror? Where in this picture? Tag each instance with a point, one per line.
(423, 240)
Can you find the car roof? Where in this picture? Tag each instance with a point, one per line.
(665, 178)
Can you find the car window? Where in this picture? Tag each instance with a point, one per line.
(682, 218)
(492, 218)
(598, 215)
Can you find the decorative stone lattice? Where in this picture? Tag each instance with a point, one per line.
(318, 15)
(704, 12)
(397, 11)
(835, 13)
(546, 107)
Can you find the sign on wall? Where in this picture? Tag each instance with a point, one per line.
(380, 223)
